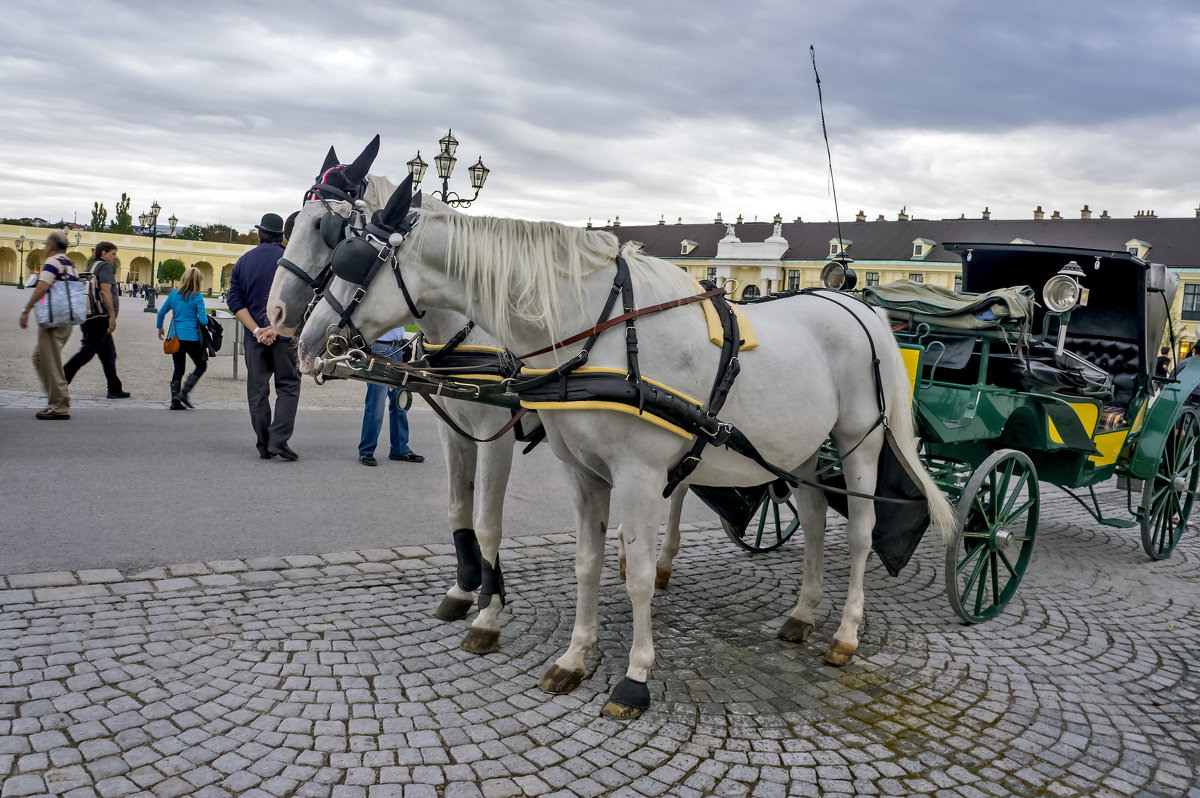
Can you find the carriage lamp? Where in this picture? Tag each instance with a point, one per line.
(417, 167)
(838, 276)
(1062, 294)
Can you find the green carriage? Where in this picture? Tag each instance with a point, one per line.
(1009, 393)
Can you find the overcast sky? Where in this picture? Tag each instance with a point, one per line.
(638, 110)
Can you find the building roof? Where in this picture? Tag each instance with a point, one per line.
(1175, 242)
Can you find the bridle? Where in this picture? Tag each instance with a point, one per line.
(332, 226)
(356, 260)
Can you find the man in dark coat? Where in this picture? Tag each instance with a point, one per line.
(266, 354)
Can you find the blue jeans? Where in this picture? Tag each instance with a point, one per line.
(373, 413)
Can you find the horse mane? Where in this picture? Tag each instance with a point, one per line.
(516, 270)
(379, 190)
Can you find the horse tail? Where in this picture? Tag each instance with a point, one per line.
(898, 392)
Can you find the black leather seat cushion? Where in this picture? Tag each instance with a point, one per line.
(1118, 357)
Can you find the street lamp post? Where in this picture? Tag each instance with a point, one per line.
(445, 162)
(150, 219)
(23, 268)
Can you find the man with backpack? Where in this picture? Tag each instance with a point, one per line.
(47, 358)
(97, 331)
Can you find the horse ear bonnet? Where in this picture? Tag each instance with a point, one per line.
(356, 171)
(290, 224)
(331, 160)
(393, 215)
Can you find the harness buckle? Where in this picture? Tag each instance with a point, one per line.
(359, 294)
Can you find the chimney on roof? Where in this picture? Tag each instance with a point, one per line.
(987, 214)
(860, 217)
(1198, 211)
(778, 218)
(1104, 215)
(679, 220)
(798, 220)
(1085, 212)
(880, 217)
(739, 219)
(616, 221)
(962, 216)
(1056, 215)
(903, 215)
(1038, 213)
(589, 227)
(662, 219)
(718, 219)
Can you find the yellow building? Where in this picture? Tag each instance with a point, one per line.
(213, 259)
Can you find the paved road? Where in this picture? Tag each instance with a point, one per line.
(139, 487)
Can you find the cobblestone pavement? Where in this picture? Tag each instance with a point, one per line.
(328, 676)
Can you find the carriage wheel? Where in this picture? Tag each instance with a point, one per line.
(772, 524)
(1168, 495)
(997, 522)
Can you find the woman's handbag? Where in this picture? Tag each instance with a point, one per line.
(171, 345)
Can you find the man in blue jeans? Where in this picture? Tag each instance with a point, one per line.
(388, 345)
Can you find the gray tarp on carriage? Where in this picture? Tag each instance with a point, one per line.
(898, 526)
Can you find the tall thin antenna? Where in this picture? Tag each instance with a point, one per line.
(828, 156)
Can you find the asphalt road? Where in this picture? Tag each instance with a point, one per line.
(132, 488)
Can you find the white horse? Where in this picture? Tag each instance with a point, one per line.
(533, 284)
(477, 473)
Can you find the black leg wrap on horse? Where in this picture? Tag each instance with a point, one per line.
(493, 584)
(631, 694)
(466, 548)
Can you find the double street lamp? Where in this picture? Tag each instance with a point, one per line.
(150, 219)
(445, 162)
(23, 269)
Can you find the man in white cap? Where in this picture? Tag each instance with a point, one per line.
(266, 354)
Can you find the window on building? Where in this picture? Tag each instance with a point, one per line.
(793, 280)
(1191, 302)
(872, 278)
(750, 292)
(712, 273)
(916, 277)
(918, 250)
(958, 282)
(1133, 251)
(833, 248)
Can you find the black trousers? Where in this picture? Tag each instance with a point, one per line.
(262, 363)
(97, 342)
(194, 350)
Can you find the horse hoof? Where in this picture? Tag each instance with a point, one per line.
(628, 700)
(661, 578)
(481, 641)
(453, 609)
(839, 653)
(560, 680)
(622, 567)
(796, 631)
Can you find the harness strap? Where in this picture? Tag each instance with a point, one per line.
(315, 283)
(454, 342)
(444, 416)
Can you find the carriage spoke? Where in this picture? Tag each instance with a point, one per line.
(1008, 519)
(762, 523)
(970, 555)
(980, 589)
(1004, 558)
(995, 578)
(976, 571)
(1014, 495)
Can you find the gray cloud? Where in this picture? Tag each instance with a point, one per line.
(222, 110)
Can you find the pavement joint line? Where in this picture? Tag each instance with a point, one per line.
(183, 578)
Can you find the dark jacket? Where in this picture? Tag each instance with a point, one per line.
(250, 282)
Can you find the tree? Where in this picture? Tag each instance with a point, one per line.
(171, 270)
(220, 232)
(250, 238)
(193, 232)
(99, 217)
(122, 220)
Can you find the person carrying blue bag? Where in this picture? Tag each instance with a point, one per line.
(186, 304)
(52, 333)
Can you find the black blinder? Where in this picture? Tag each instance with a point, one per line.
(290, 225)
(333, 229)
(353, 260)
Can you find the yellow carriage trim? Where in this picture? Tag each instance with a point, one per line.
(912, 365)
(1109, 444)
(1088, 415)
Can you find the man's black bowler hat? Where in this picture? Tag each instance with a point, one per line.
(271, 223)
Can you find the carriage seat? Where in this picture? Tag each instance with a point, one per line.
(923, 303)
(1120, 358)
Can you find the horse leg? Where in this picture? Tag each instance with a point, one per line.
(641, 510)
(670, 544)
(495, 463)
(621, 551)
(460, 469)
(590, 497)
(861, 469)
(810, 508)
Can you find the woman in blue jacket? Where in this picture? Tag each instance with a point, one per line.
(188, 313)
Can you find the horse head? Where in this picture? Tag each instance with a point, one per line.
(337, 199)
